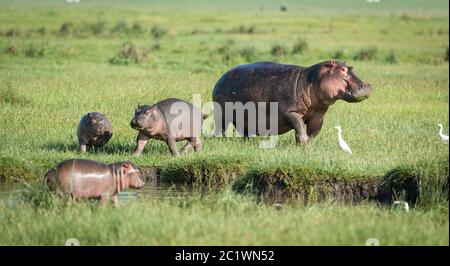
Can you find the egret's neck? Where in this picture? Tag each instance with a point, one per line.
(440, 129)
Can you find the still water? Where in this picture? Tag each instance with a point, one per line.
(12, 193)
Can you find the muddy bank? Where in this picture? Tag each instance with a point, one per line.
(278, 187)
(346, 191)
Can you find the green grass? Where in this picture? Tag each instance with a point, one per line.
(222, 220)
(50, 77)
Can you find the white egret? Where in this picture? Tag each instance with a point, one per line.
(443, 137)
(342, 143)
(405, 204)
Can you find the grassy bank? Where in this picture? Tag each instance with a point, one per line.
(224, 219)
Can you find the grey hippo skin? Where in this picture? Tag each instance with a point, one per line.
(158, 121)
(85, 179)
(304, 94)
(94, 130)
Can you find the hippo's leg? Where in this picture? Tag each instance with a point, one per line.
(105, 197)
(107, 137)
(197, 143)
(102, 140)
(64, 196)
(187, 147)
(296, 122)
(314, 125)
(219, 129)
(68, 198)
(115, 200)
(220, 125)
(171, 142)
(83, 143)
(245, 132)
(141, 140)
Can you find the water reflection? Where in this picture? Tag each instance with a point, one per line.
(12, 193)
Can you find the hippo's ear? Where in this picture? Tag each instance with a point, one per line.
(127, 165)
(151, 111)
(90, 115)
(330, 64)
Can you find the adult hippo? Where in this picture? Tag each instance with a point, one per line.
(303, 95)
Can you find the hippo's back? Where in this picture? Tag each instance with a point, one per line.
(261, 81)
(79, 173)
(167, 104)
(82, 166)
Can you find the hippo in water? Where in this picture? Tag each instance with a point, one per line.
(303, 94)
(86, 179)
(94, 130)
(170, 120)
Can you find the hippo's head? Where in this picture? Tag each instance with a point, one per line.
(337, 81)
(146, 117)
(132, 173)
(97, 122)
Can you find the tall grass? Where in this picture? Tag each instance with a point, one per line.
(224, 219)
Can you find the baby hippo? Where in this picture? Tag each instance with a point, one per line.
(170, 120)
(94, 130)
(85, 179)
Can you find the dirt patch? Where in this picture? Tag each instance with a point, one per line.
(376, 189)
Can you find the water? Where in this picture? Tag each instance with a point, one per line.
(151, 191)
(11, 193)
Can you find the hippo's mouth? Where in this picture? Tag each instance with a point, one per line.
(357, 96)
(135, 126)
(360, 99)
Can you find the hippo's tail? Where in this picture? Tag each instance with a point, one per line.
(50, 178)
